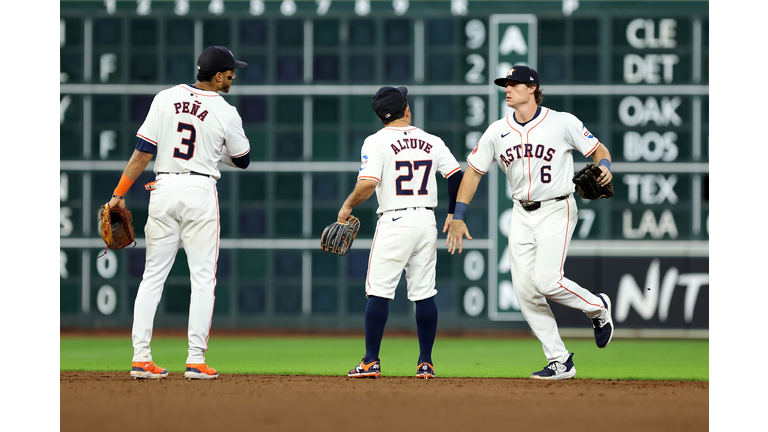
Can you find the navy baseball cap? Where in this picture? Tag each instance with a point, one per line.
(389, 101)
(216, 59)
(519, 73)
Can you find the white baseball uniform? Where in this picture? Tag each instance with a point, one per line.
(192, 130)
(403, 160)
(538, 162)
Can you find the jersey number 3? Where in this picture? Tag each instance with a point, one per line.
(426, 164)
(189, 142)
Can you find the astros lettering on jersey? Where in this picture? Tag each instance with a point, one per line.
(536, 157)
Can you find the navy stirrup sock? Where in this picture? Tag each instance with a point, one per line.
(376, 313)
(426, 327)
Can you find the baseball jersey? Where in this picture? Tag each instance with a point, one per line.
(403, 160)
(537, 157)
(191, 128)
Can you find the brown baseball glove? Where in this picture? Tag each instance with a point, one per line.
(338, 237)
(116, 227)
(587, 185)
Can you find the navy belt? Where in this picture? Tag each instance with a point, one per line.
(190, 173)
(414, 208)
(534, 205)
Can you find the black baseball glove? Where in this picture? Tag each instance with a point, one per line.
(587, 185)
(338, 237)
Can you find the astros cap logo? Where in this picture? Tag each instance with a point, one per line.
(510, 71)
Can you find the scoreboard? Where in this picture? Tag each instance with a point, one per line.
(635, 72)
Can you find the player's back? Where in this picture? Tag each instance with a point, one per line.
(188, 126)
(404, 160)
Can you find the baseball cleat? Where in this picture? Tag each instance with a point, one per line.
(603, 323)
(425, 370)
(200, 371)
(366, 370)
(557, 371)
(147, 370)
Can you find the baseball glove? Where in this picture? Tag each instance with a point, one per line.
(116, 227)
(587, 185)
(338, 237)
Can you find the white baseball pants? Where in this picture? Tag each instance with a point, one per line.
(404, 240)
(184, 209)
(538, 246)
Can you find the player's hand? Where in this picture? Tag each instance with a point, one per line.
(606, 177)
(344, 214)
(448, 220)
(117, 202)
(456, 233)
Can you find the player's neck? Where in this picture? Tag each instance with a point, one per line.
(205, 86)
(401, 122)
(525, 113)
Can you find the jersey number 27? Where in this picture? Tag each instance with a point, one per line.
(408, 176)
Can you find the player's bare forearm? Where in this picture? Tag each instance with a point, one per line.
(599, 154)
(363, 190)
(468, 187)
(137, 164)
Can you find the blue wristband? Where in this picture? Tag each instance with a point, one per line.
(605, 162)
(461, 208)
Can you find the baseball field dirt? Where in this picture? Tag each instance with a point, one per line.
(112, 401)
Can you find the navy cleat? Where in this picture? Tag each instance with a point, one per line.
(425, 370)
(603, 323)
(557, 371)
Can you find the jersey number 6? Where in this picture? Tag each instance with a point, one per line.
(189, 142)
(426, 164)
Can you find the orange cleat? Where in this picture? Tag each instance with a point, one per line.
(147, 370)
(363, 370)
(200, 371)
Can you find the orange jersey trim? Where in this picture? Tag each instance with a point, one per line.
(146, 139)
(593, 149)
(475, 168)
(397, 128)
(369, 178)
(452, 172)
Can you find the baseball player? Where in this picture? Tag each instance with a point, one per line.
(399, 163)
(190, 128)
(533, 147)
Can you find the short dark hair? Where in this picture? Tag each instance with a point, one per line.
(208, 76)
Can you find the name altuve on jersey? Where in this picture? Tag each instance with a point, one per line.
(190, 108)
(411, 143)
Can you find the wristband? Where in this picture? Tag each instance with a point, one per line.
(118, 197)
(461, 208)
(605, 162)
(123, 186)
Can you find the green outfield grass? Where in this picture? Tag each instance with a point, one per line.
(625, 359)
